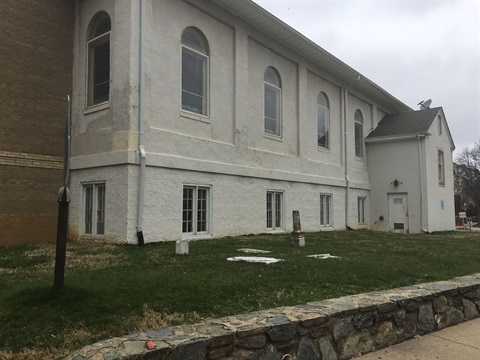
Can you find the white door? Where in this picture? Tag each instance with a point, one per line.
(398, 212)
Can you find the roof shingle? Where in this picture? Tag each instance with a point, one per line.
(407, 123)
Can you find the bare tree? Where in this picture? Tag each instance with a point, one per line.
(467, 172)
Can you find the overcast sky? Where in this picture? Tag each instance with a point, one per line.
(415, 50)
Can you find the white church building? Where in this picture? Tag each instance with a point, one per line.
(195, 119)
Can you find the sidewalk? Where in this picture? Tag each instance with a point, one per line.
(459, 342)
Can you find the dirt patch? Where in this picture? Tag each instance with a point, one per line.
(84, 261)
(36, 354)
(8, 271)
(44, 255)
(154, 320)
(41, 250)
(73, 339)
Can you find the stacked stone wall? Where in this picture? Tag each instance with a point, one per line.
(334, 329)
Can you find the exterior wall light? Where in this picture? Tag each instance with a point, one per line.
(396, 182)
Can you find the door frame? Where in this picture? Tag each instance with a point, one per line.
(398, 227)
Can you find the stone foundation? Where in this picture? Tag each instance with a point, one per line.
(325, 330)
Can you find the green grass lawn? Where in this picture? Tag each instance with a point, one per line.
(115, 290)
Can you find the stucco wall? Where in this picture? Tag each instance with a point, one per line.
(182, 147)
(333, 154)
(120, 195)
(389, 161)
(440, 219)
(238, 204)
(105, 128)
(165, 24)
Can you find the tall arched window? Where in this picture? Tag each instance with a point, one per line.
(358, 133)
(98, 59)
(194, 71)
(272, 102)
(323, 120)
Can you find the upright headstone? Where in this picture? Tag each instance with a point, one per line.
(181, 247)
(298, 238)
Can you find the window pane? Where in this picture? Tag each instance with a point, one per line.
(271, 102)
(271, 110)
(358, 139)
(194, 40)
(101, 210)
(103, 27)
(358, 116)
(202, 210)
(192, 73)
(322, 100)
(269, 209)
(322, 209)
(278, 210)
(327, 209)
(271, 77)
(361, 210)
(88, 209)
(101, 72)
(187, 221)
(322, 125)
(193, 82)
(192, 102)
(441, 173)
(358, 210)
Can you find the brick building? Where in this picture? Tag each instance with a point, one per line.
(36, 51)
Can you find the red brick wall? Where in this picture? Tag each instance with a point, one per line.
(36, 51)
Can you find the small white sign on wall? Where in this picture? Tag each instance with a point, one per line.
(462, 215)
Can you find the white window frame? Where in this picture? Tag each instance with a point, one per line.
(278, 92)
(205, 57)
(361, 209)
(275, 215)
(441, 167)
(326, 210)
(89, 71)
(97, 211)
(359, 151)
(326, 111)
(195, 221)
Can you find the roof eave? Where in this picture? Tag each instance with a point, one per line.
(276, 28)
(388, 138)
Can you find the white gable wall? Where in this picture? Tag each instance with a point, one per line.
(389, 161)
(439, 219)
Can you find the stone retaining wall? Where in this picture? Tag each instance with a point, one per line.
(324, 330)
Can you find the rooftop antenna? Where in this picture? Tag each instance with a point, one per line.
(425, 104)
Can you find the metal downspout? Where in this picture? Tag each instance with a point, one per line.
(345, 140)
(141, 131)
(419, 138)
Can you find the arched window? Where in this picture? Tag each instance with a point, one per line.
(358, 133)
(194, 71)
(272, 102)
(98, 59)
(323, 120)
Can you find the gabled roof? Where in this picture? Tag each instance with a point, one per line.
(407, 123)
